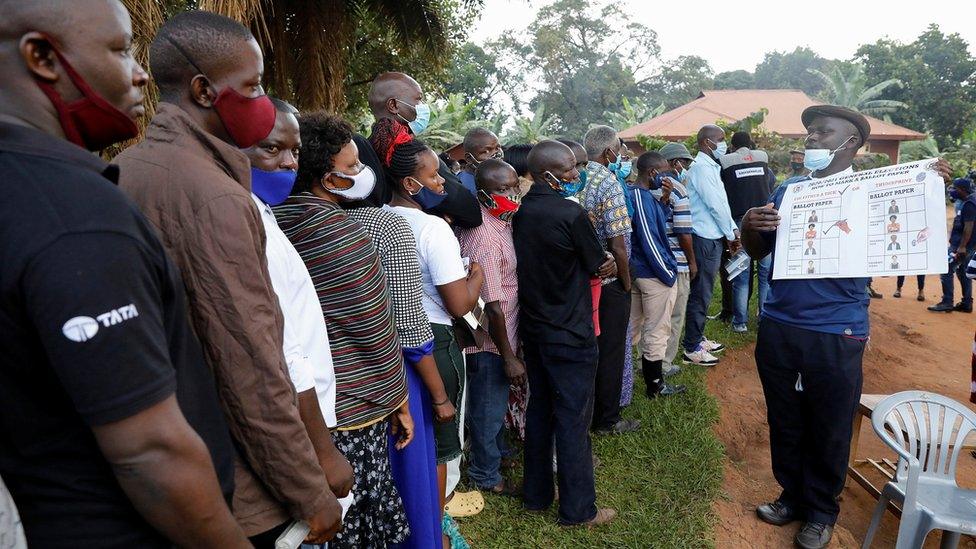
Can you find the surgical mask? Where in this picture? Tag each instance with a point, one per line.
(272, 187)
(498, 155)
(427, 198)
(658, 181)
(621, 168)
(90, 122)
(818, 159)
(246, 119)
(418, 124)
(501, 206)
(362, 183)
(565, 189)
(721, 148)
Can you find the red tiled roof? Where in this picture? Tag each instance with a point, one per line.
(784, 108)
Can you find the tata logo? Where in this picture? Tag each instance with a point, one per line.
(83, 328)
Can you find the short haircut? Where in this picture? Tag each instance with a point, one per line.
(543, 156)
(488, 169)
(518, 157)
(323, 136)
(446, 158)
(742, 139)
(190, 43)
(648, 160)
(283, 106)
(599, 139)
(475, 137)
(570, 143)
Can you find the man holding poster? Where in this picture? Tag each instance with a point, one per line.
(811, 340)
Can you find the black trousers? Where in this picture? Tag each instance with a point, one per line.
(266, 540)
(561, 378)
(612, 341)
(812, 383)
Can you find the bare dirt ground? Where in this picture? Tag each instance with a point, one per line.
(910, 348)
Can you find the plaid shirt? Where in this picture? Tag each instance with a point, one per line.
(491, 245)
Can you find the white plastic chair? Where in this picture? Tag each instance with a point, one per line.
(927, 431)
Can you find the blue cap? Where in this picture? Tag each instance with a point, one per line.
(963, 183)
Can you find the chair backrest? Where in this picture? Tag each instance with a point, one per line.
(925, 426)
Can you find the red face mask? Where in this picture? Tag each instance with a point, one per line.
(246, 119)
(499, 205)
(90, 122)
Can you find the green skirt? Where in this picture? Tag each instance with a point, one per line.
(450, 365)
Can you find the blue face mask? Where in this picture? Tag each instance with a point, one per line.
(427, 198)
(566, 189)
(621, 168)
(818, 159)
(658, 180)
(420, 123)
(272, 187)
(720, 149)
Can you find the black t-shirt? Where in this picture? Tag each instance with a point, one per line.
(94, 329)
(557, 252)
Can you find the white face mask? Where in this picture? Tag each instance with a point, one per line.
(818, 159)
(362, 184)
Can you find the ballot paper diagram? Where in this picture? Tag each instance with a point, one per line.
(887, 221)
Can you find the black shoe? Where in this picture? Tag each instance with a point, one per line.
(814, 535)
(776, 513)
(666, 390)
(619, 428)
(963, 308)
(942, 307)
(874, 293)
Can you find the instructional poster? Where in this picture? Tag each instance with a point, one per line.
(882, 222)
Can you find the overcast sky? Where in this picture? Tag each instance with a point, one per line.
(745, 31)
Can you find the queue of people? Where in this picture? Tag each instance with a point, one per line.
(256, 317)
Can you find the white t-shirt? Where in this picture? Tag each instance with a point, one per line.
(306, 341)
(440, 258)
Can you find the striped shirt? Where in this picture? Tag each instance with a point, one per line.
(348, 278)
(679, 222)
(397, 249)
(490, 244)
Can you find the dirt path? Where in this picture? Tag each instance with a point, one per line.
(910, 348)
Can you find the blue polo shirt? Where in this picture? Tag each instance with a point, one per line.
(467, 181)
(828, 305)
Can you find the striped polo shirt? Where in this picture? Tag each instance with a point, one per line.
(352, 289)
(679, 222)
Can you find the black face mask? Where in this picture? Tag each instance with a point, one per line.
(796, 166)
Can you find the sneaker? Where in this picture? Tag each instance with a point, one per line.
(897, 293)
(671, 370)
(776, 513)
(874, 293)
(941, 307)
(963, 307)
(701, 357)
(814, 535)
(666, 389)
(712, 346)
(740, 328)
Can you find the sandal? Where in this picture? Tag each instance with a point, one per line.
(897, 293)
(465, 504)
(450, 529)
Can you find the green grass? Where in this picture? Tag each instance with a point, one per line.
(662, 479)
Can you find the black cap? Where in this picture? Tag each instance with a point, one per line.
(854, 117)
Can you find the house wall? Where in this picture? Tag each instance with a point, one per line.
(885, 146)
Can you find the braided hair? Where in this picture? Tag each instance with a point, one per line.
(397, 148)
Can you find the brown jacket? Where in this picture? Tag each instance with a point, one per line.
(196, 190)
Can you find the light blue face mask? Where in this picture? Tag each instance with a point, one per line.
(420, 123)
(621, 168)
(818, 159)
(720, 148)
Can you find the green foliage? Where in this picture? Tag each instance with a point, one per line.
(910, 151)
(748, 124)
(734, 80)
(850, 89)
(939, 76)
(530, 129)
(631, 113)
(649, 143)
(780, 70)
(478, 74)
(450, 119)
(584, 66)
(679, 81)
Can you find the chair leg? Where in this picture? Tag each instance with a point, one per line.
(911, 535)
(879, 511)
(950, 540)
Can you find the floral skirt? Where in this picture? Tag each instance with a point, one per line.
(377, 518)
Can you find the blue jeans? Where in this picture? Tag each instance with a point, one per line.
(708, 255)
(740, 290)
(957, 269)
(487, 404)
